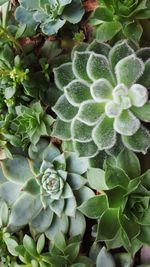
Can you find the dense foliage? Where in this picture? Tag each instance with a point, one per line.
(74, 133)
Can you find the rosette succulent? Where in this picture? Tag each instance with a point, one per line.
(123, 17)
(123, 203)
(104, 95)
(51, 15)
(46, 190)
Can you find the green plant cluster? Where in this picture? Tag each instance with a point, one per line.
(74, 133)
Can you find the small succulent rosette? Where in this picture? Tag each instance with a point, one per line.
(123, 204)
(104, 96)
(46, 190)
(51, 15)
(120, 18)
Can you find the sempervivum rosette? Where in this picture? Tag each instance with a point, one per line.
(104, 94)
(47, 191)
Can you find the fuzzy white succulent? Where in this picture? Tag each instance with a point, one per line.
(105, 94)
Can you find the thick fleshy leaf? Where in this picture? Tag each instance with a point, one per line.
(104, 135)
(9, 192)
(70, 207)
(98, 67)
(129, 69)
(144, 236)
(143, 113)
(116, 197)
(83, 194)
(57, 206)
(74, 12)
(101, 90)
(119, 51)
(76, 181)
(62, 130)
(58, 224)
(133, 31)
(77, 92)
(90, 112)
(2, 177)
(51, 27)
(126, 123)
(96, 179)
(64, 110)
(145, 78)
(108, 30)
(80, 65)
(81, 47)
(63, 75)
(17, 170)
(138, 95)
(76, 164)
(87, 150)
(143, 53)
(99, 48)
(24, 209)
(94, 207)
(77, 224)
(42, 221)
(81, 131)
(67, 191)
(104, 259)
(31, 186)
(108, 225)
(129, 162)
(131, 228)
(139, 142)
(116, 177)
(103, 13)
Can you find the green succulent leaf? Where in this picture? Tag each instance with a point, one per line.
(107, 31)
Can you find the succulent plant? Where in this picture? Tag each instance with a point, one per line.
(51, 15)
(104, 95)
(123, 17)
(122, 205)
(46, 193)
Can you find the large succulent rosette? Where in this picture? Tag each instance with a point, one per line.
(46, 190)
(123, 203)
(104, 95)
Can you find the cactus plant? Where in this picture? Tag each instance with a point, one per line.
(50, 15)
(104, 95)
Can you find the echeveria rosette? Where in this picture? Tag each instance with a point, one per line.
(51, 15)
(104, 94)
(30, 124)
(123, 205)
(47, 188)
(120, 17)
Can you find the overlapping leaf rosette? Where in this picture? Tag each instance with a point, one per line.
(51, 15)
(123, 204)
(45, 190)
(104, 96)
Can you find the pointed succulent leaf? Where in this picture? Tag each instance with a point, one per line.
(76, 164)
(58, 224)
(73, 12)
(94, 207)
(11, 246)
(4, 214)
(59, 241)
(70, 207)
(104, 259)
(139, 142)
(30, 245)
(77, 224)
(109, 225)
(90, 112)
(98, 67)
(81, 131)
(63, 75)
(76, 181)
(101, 90)
(119, 51)
(80, 65)
(103, 134)
(87, 150)
(83, 194)
(116, 177)
(64, 109)
(129, 162)
(145, 78)
(133, 31)
(77, 91)
(40, 243)
(31, 186)
(57, 206)
(62, 129)
(99, 48)
(143, 113)
(108, 30)
(9, 192)
(96, 179)
(129, 69)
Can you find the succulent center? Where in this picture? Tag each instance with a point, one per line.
(51, 182)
